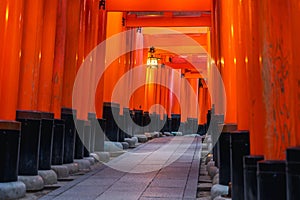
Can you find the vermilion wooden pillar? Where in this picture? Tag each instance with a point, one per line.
(71, 50)
(47, 55)
(277, 67)
(257, 109)
(295, 15)
(31, 55)
(240, 25)
(11, 19)
(116, 69)
(102, 19)
(59, 58)
(228, 58)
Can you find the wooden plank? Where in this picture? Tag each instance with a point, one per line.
(157, 5)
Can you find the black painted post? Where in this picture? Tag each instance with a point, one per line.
(69, 115)
(271, 180)
(93, 121)
(30, 142)
(9, 150)
(146, 121)
(222, 156)
(250, 176)
(111, 110)
(87, 138)
(100, 135)
(239, 147)
(58, 142)
(138, 120)
(293, 173)
(175, 122)
(46, 141)
(79, 146)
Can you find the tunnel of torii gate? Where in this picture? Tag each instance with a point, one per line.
(251, 45)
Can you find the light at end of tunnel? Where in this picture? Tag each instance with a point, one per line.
(246, 59)
(40, 55)
(20, 53)
(234, 60)
(76, 57)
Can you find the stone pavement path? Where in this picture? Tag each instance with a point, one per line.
(162, 169)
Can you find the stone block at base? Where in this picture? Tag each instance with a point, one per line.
(125, 145)
(91, 159)
(103, 156)
(131, 141)
(61, 171)
(32, 183)
(219, 190)
(49, 176)
(73, 167)
(12, 190)
(142, 138)
(83, 165)
(117, 153)
(95, 156)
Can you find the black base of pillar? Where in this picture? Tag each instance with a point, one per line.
(58, 142)
(250, 174)
(271, 180)
(9, 150)
(240, 147)
(30, 142)
(100, 135)
(110, 112)
(69, 115)
(45, 155)
(293, 173)
(79, 147)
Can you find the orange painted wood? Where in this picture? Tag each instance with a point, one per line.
(241, 41)
(153, 5)
(71, 50)
(91, 43)
(10, 37)
(228, 57)
(31, 55)
(102, 20)
(295, 15)
(47, 52)
(59, 58)
(201, 21)
(257, 109)
(277, 65)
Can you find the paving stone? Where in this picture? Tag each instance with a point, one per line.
(205, 179)
(204, 186)
(164, 192)
(177, 180)
(203, 194)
